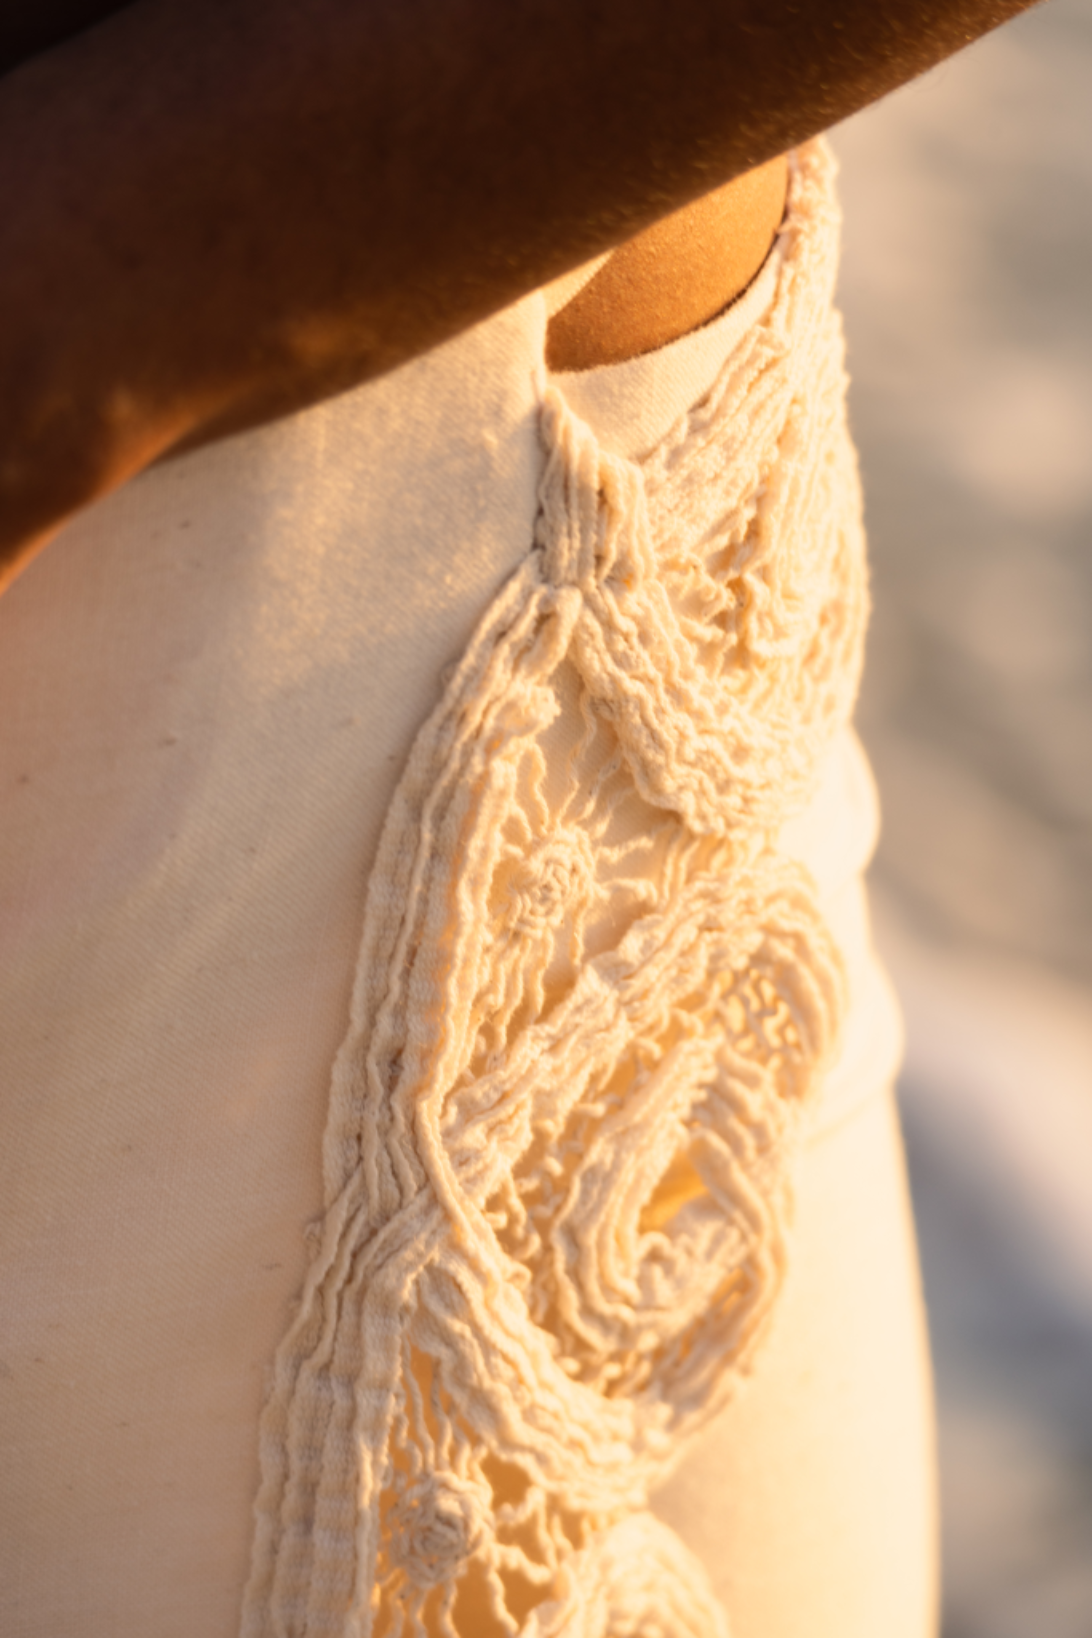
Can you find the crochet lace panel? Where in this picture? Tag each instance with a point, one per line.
(592, 1001)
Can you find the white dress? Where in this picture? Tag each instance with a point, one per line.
(545, 685)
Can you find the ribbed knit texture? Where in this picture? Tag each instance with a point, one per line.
(593, 1000)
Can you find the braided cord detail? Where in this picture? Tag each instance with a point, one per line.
(592, 1002)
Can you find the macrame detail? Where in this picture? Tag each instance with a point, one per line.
(592, 1001)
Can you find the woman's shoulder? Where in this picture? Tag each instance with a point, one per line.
(673, 277)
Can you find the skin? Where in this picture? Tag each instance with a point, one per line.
(214, 212)
(673, 277)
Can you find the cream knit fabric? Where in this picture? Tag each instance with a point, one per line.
(593, 1000)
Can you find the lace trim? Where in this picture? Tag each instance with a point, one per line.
(592, 1001)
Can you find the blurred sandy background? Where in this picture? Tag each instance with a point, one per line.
(967, 289)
